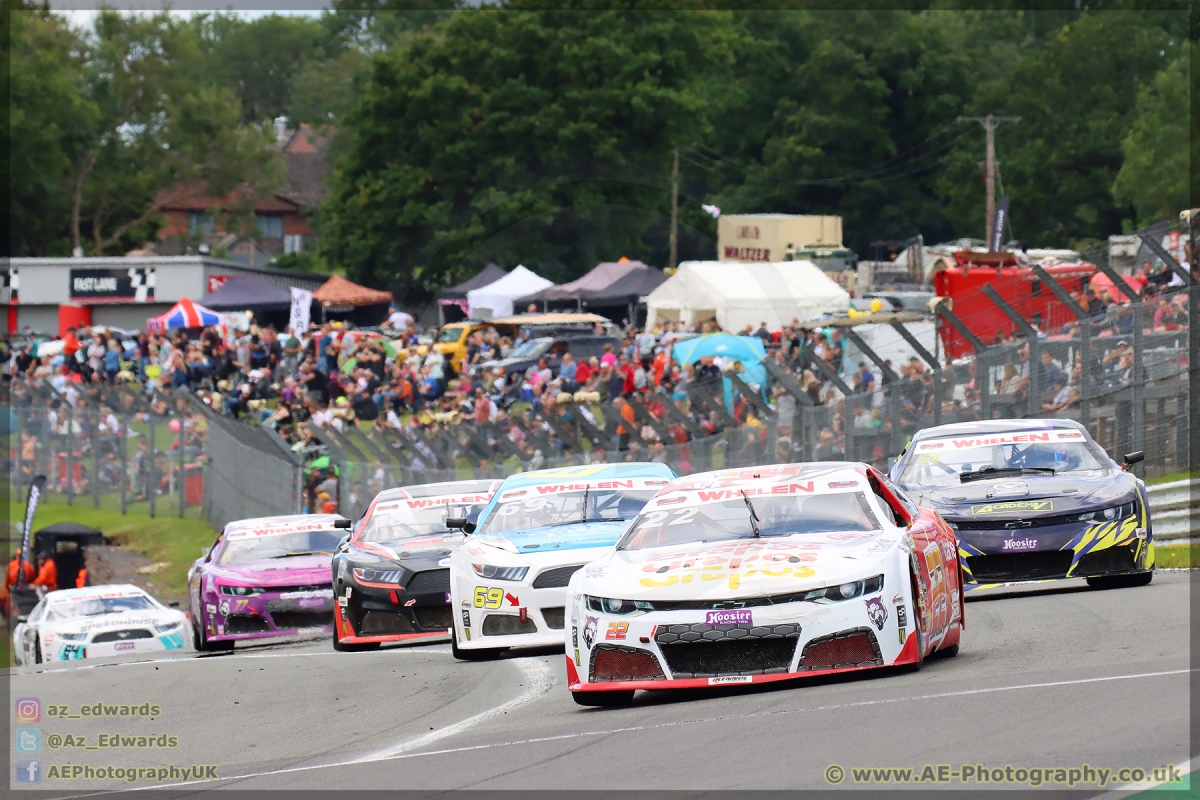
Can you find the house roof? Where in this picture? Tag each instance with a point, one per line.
(307, 167)
(337, 291)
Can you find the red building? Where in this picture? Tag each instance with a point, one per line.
(281, 219)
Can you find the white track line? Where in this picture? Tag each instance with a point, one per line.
(1132, 788)
(194, 659)
(402, 751)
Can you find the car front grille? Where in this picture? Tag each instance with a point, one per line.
(556, 578)
(307, 605)
(554, 617)
(244, 623)
(1020, 566)
(856, 647)
(434, 616)
(122, 636)
(289, 589)
(286, 620)
(428, 582)
(507, 625)
(383, 623)
(707, 659)
(612, 662)
(700, 632)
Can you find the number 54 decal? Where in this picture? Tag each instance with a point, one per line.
(488, 598)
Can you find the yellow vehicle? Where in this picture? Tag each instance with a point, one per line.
(452, 340)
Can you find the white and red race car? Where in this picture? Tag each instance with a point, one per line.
(764, 574)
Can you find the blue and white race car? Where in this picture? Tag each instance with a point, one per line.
(97, 621)
(1032, 500)
(508, 580)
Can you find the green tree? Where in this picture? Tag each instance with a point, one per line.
(1154, 178)
(1075, 89)
(541, 137)
(146, 131)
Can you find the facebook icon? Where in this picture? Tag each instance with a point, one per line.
(29, 770)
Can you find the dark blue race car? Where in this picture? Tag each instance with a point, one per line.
(1032, 500)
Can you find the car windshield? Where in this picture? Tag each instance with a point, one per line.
(404, 522)
(531, 349)
(280, 545)
(943, 462)
(531, 510)
(450, 335)
(782, 515)
(99, 605)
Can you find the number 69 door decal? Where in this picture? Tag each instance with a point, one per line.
(488, 597)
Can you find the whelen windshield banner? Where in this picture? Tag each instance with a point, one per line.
(120, 284)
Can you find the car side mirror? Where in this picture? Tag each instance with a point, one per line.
(1134, 458)
(22, 618)
(343, 523)
(173, 604)
(460, 523)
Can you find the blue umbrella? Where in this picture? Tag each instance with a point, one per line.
(747, 349)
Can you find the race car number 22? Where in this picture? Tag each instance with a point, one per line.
(488, 598)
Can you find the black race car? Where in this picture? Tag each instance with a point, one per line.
(1032, 500)
(391, 577)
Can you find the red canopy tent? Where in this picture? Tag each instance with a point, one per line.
(337, 292)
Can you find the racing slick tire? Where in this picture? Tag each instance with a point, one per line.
(352, 648)
(1121, 581)
(473, 655)
(948, 652)
(603, 699)
(202, 644)
(916, 612)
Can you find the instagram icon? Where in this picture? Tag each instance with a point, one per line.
(29, 709)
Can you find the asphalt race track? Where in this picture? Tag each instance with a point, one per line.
(1046, 678)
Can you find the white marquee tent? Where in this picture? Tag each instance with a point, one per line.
(739, 294)
(496, 299)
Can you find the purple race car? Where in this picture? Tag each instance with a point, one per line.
(265, 577)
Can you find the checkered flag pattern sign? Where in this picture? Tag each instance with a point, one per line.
(143, 281)
(12, 282)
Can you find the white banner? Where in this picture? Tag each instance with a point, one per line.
(301, 308)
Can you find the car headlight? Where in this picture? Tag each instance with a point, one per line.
(608, 605)
(495, 573)
(1108, 514)
(72, 637)
(845, 591)
(240, 591)
(368, 575)
(167, 626)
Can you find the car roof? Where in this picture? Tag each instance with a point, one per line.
(637, 469)
(998, 426)
(118, 589)
(421, 490)
(820, 473)
(283, 519)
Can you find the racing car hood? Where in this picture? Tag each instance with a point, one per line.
(1020, 497)
(291, 571)
(418, 549)
(741, 568)
(576, 536)
(118, 620)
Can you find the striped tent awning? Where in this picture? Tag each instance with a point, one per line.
(184, 314)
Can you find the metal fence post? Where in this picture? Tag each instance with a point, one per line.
(95, 440)
(20, 463)
(123, 445)
(69, 443)
(151, 478)
(182, 481)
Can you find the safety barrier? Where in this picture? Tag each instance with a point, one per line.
(1174, 510)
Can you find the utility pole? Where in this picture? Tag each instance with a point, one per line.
(989, 124)
(675, 208)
